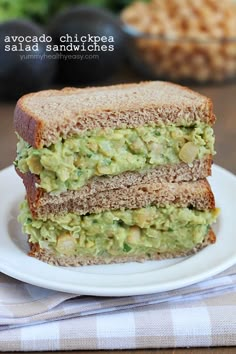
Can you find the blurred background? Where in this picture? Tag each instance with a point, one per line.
(56, 43)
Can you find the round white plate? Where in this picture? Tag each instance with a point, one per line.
(117, 279)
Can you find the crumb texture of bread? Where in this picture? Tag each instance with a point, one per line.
(195, 194)
(41, 118)
(53, 258)
(128, 190)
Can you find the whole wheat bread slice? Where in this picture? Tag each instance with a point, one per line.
(128, 190)
(51, 257)
(41, 118)
(197, 194)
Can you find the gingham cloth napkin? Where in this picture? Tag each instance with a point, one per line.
(35, 319)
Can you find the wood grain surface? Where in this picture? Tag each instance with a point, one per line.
(224, 100)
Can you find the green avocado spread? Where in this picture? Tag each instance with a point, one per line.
(71, 162)
(114, 233)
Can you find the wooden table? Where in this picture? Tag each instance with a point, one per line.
(224, 99)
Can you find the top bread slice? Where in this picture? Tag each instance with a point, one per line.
(41, 118)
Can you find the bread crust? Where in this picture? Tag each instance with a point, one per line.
(27, 125)
(51, 257)
(165, 184)
(41, 118)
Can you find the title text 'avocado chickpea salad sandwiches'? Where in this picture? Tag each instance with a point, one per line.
(115, 174)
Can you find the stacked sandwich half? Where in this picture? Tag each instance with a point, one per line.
(115, 174)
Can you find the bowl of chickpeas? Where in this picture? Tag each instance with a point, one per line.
(182, 40)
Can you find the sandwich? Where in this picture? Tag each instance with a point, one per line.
(115, 173)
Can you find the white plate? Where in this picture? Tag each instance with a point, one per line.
(117, 279)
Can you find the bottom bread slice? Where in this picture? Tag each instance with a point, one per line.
(52, 257)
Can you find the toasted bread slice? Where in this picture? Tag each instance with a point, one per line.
(42, 117)
(51, 257)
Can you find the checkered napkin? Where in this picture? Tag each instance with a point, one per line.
(35, 319)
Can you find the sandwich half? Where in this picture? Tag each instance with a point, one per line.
(177, 224)
(75, 142)
(115, 174)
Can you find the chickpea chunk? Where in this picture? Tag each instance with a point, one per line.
(189, 152)
(134, 234)
(66, 244)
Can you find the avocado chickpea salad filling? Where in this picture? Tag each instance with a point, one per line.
(144, 231)
(70, 163)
